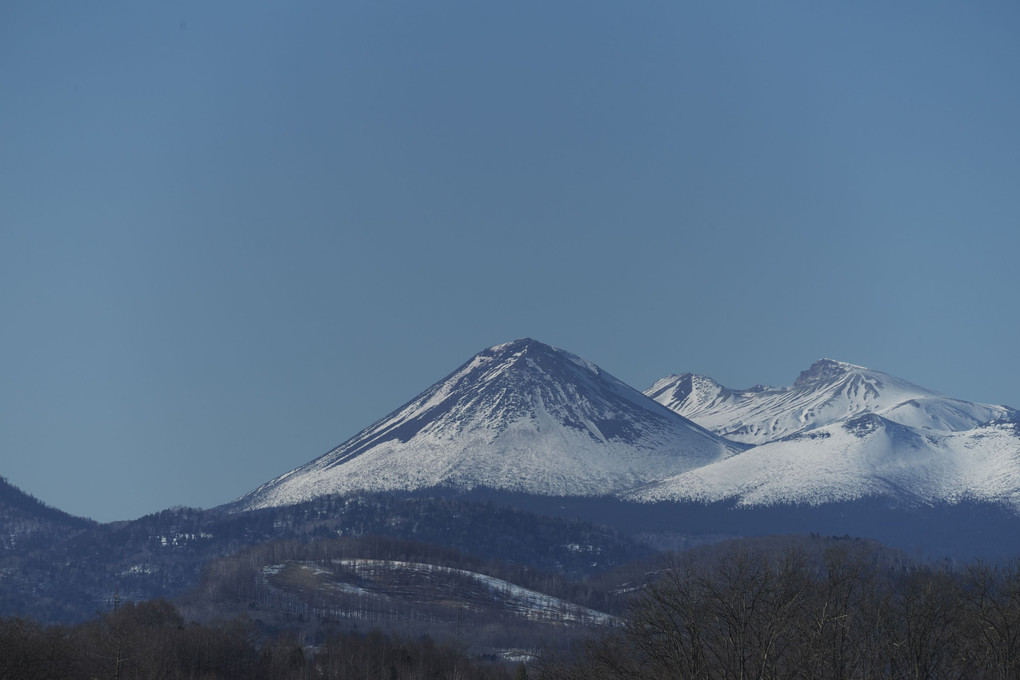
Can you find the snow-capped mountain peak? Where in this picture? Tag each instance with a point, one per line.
(689, 392)
(520, 416)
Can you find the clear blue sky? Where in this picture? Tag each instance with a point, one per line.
(233, 234)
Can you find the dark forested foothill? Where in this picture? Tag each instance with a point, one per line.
(151, 640)
(843, 614)
(485, 606)
(59, 569)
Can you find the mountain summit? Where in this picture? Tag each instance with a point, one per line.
(522, 416)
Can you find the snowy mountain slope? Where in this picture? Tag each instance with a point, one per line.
(865, 456)
(522, 416)
(828, 392)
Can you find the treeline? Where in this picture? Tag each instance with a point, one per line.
(570, 547)
(151, 640)
(844, 614)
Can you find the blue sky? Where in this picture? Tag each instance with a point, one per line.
(233, 234)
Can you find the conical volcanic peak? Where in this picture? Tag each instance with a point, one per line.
(828, 392)
(521, 416)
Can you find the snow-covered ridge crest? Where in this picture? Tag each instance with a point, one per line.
(828, 392)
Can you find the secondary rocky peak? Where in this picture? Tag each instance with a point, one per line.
(825, 370)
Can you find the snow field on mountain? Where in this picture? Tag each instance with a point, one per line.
(837, 463)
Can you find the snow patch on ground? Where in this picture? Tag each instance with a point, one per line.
(532, 604)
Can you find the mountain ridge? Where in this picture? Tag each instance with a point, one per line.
(24, 519)
(528, 418)
(828, 392)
